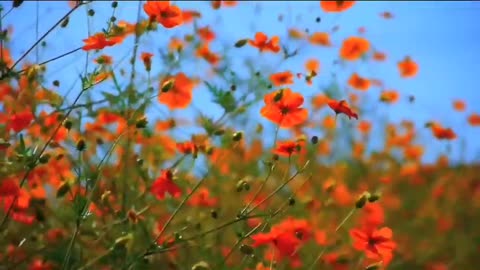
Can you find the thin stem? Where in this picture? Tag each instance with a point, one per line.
(44, 148)
(45, 35)
(259, 189)
(280, 187)
(66, 259)
(336, 230)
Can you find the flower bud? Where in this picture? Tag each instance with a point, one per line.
(141, 123)
(63, 189)
(81, 145)
(168, 85)
(44, 158)
(362, 200)
(237, 136)
(373, 197)
(241, 43)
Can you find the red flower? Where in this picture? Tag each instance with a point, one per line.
(287, 148)
(164, 183)
(19, 121)
(283, 107)
(187, 148)
(8, 187)
(202, 198)
(264, 45)
(286, 237)
(100, 41)
(167, 15)
(342, 107)
(377, 244)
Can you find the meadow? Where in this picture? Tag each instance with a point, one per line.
(236, 135)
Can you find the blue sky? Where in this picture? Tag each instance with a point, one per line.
(441, 36)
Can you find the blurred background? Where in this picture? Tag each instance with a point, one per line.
(442, 37)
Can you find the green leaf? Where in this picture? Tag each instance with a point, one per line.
(223, 98)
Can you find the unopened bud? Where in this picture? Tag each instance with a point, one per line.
(141, 123)
(81, 145)
(241, 43)
(44, 159)
(374, 197)
(168, 85)
(68, 124)
(237, 136)
(362, 200)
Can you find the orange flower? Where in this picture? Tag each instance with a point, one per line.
(161, 11)
(202, 198)
(359, 83)
(296, 34)
(312, 66)
(283, 107)
(189, 15)
(342, 107)
(104, 60)
(319, 101)
(179, 96)
(329, 122)
(353, 48)
(336, 6)
(413, 152)
(281, 78)
(459, 105)
(287, 148)
(364, 127)
(263, 44)
(389, 96)
(474, 119)
(205, 53)
(218, 4)
(377, 244)
(187, 148)
(147, 60)
(206, 34)
(442, 133)
(320, 38)
(407, 67)
(99, 41)
(379, 56)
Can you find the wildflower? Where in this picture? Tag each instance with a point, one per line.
(407, 67)
(359, 83)
(281, 78)
(147, 60)
(283, 107)
(336, 6)
(342, 107)
(99, 41)
(376, 243)
(179, 96)
(164, 184)
(264, 45)
(353, 48)
(167, 15)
